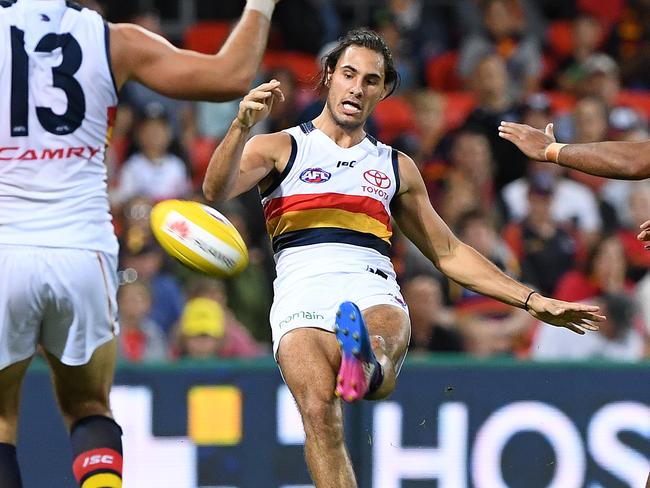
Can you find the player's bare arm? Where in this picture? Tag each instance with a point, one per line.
(236, 165)
(423, 226)
(150, 59)
(611, 159)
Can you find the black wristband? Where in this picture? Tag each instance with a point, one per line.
(528, 298)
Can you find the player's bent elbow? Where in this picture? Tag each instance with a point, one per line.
(639, 168)
(213, 195)
(208, 193)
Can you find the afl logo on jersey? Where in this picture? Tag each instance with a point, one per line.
(377, 178)
(315, 175)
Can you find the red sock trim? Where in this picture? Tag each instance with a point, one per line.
(96, 460)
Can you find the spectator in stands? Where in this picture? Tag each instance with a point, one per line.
(479, 232)
(428, 111)
(468, 182)
(630, 44)
(602, 79)
(506, 35)
(433, 325)
(543, 247)
(591, 124)
(625, 124)
(386, 26)
(638, 259)
(494, 104)
(587, 36)
(206, 333)
(423, 26)
(153, 171)
(486, 326)
(573, 204)
(141, 339)
(604, 272)
(536, 110)
(620, 337)
(146, 261)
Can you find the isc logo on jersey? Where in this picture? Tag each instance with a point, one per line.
(97, 459)
(315, 175)
(199, 237)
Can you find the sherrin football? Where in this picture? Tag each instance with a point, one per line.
(199, 237)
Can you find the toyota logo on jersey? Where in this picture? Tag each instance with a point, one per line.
(377, 178)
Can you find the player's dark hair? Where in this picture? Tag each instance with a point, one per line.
(362, 37)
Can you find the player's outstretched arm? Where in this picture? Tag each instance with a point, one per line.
(463, 264)
(236, 165)
(150, 59)
(611, 159)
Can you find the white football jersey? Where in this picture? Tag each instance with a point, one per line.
(57, 103)
(330, 195)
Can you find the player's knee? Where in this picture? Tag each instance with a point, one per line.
(322, 420)
(8, 428)
(75, 409)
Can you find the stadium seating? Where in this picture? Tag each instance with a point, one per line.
(206, 36)
(441, 74)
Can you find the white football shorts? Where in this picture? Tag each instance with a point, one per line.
(313, 302)
(64, 299)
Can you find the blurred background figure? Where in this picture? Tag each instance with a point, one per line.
(206, 332)
(505, 34)
(141, 338)
(147, 261)
(620, 338)
(153, 171)
(495, 103)
(572, 204)
(433, 325)
(545, 249)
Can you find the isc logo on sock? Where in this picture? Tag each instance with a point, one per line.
(98, 459)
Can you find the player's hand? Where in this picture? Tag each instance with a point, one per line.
(258, 103)
(577, 317)
(532, 142)
(644, 235)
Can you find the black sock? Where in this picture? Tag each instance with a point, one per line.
(97, 451)
(9, 472)
(376, 379)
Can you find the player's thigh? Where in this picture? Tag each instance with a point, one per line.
(21, 302)
(11, 379)
(308, 360)
(81, 312)
(84, 390)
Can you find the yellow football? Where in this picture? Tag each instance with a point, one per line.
(199, 237)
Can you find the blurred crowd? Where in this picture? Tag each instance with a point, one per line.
(465, 66)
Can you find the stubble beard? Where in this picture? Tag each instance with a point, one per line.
(344, 124)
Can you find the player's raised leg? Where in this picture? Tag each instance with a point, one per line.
(83, 396)
(11, 379)
(373, 346)
(309, 359)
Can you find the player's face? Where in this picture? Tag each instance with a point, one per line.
(356, 86)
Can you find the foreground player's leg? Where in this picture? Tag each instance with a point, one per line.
(309, 359)
(11, 379)
(372, 347)
(83, 396)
